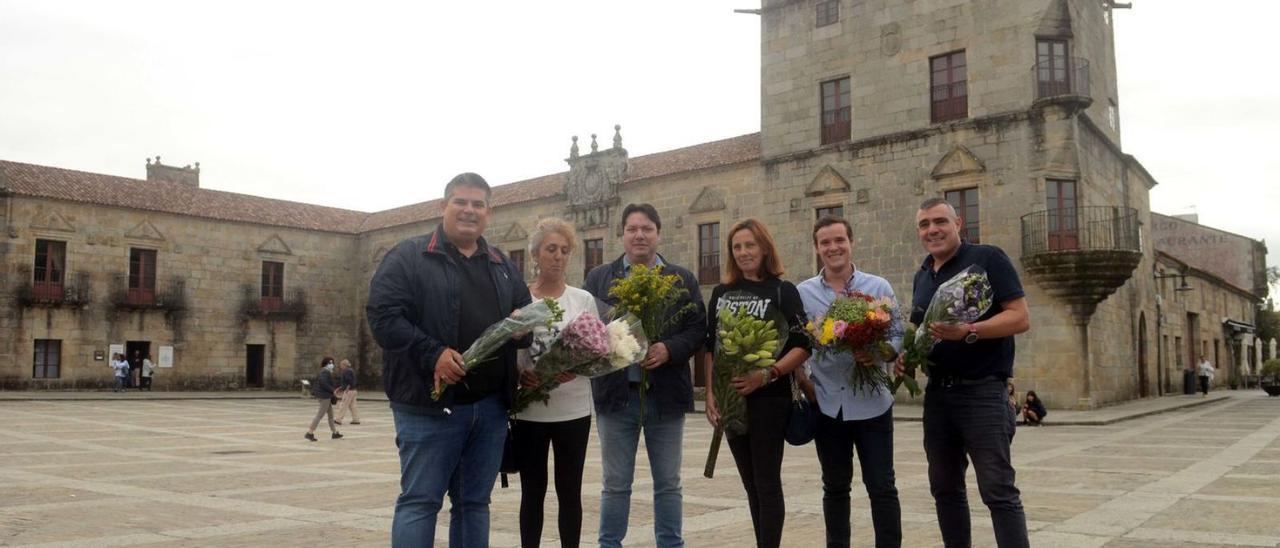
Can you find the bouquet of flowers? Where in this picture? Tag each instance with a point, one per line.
(744, 344)
(544, 312)
(586, 347)
(649, 295)
(857, 322)
(962, 299)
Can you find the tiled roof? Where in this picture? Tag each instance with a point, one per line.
(724, 152)
(176, 198)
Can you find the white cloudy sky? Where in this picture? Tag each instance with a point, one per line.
(376, 104)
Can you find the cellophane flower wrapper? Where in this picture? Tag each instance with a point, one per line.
(586, 347)
(542, 312)
(962, 299)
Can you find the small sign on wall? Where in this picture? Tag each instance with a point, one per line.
(166, 356)
(99, 355)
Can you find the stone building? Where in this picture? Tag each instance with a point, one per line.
(1007, 108)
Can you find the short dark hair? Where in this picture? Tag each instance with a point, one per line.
(326, 361)
(647, 209)
(935, 202)
(828, 220)
(468, 179)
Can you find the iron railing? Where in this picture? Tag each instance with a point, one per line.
(836, 125)
(1061, 76)
(1088, 228)
(160, 294)
(950, 101)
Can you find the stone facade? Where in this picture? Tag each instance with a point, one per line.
(1238, 260)
(1200, 314)
(1090, 278)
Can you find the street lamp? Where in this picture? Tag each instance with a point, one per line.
(1184, 286)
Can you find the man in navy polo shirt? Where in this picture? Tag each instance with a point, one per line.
(966, 407)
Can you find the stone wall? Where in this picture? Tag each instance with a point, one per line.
(215, 262)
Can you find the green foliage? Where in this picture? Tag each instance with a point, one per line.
(1271, 369)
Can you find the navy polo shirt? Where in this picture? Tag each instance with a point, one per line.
(986, 357)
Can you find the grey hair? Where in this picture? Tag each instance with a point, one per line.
(937, 201)
(548, 225)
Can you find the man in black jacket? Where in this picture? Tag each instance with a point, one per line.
(430, 299)
(669, 395)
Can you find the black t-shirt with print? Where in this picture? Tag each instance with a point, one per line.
(770, 298)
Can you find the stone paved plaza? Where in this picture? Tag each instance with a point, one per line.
(238, 473)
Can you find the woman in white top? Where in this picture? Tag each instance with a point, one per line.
(1205, 371)
(563, 422)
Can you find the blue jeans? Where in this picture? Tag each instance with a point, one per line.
(972, 420)
(458, 453)
(619, 440)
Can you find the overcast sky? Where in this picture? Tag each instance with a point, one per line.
(374, 105)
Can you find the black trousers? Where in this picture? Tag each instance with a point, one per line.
(836, 440)
(973, 421)
(569, 440)
(758, 454)
(1204, 385)
(146, 383)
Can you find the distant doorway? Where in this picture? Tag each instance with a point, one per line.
(135, 352)
(1143, 391)
(253, 365)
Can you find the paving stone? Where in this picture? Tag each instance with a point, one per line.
(188, 473)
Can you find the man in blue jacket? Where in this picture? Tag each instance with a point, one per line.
(669, 397)
(430, 299)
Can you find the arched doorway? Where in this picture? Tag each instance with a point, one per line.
(1143, 391)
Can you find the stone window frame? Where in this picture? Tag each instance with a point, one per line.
(517, 257)
(840, 126)
(587, 252)
(972, 230)
(41, 370)
(49, 288)
(137, 289)
(945, 109)
(271, 279)
(709, 256)
(827, 12)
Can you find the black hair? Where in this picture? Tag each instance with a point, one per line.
(647, 209)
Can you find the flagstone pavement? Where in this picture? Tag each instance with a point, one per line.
(236, 472)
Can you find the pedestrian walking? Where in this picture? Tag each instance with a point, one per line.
(147, 371)
(347, 393)
(322, 390)
(1205, 372)
(120, 366)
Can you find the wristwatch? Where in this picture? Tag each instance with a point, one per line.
(972, 337)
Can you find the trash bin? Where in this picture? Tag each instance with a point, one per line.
(1188, 381)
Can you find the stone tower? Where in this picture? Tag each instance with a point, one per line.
(1007, 108)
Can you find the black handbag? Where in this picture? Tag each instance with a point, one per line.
(803, 421)
(509, 463)
(333, 400)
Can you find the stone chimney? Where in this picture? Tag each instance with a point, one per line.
(186, 175)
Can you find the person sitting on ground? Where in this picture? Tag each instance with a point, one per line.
(1033, 411)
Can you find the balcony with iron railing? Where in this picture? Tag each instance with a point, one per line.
(1082, 254)
(52, 293)
(949, 101)
(836, 125)
(134, 294)
(1062, 80)
(253, 305)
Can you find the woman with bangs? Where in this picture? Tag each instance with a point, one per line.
(753, 282)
